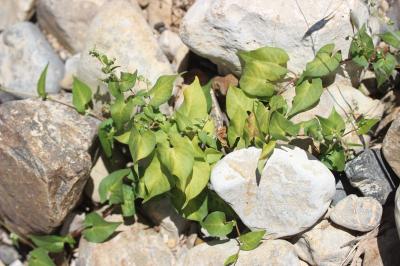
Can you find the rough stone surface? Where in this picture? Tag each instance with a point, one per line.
(218, 29)
(322, 245)
(367, 173)
(68, 20)
(269, 253)
(175, 50)
(13, 11)
(120, 31)
(397, 210)
(134, 246)
(71, 69)
(162, 213)
(44, 163)
(293, 192)
(159, 13)
(24, 53)
(360, 214)
(391, 146)
(346, 100)
(8, 254)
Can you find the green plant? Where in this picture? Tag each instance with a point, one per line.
(173, 154)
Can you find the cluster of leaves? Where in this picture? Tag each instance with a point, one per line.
(366, 55)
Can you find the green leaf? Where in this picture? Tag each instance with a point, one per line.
(110, 187)
(207, 93)
(278, 103)
(312, 129)
(124, 138)
(41, 84)
(333, 126)
(216, 224)
(98, 230)
(384, 68)
(155, 179)
(391, 38)
(198, 180)
(179, 158)
(197, 208)
(106, 133)
(324, 63)
(280, 126)
(237, 102)
(333, 157)
(267, 150)
(162, 90)
(365, 125)
(259, 77)
(40, 257)
(307, 96)
(127, 81)
(121, 112)
(265, 54)
(262, 115)
(141, 144)
(231, 260)
(194, 107)
(128, 201)
(52, 243)
(362, 48)
(251, 240)
(81, 95)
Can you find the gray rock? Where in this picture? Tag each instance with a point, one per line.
(360, 214)
(293, 192)
(397, 210)
(218, 29)
(6, 97)
(366, 172)
(322, 245)
(44, 157)
(269, 253)
(391, 146)
(132, 44)
(137, 245)
(13, 11)
(71, 69)
(8, 254)
(68, 20)
(24, 53)
(161, 212)
(340, 193)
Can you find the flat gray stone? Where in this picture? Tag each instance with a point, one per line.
(24, 53)
(293, 192)
(357, 213)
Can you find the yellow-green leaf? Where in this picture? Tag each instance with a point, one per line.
(41, 84)
(307, 96)
(162, 90)
(81, 95)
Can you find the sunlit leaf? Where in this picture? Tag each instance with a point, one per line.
(98, 230)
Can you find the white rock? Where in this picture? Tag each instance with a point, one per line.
(173, 47)
(68, 20)
(397, 210)
(71, 69)
(137, 245)
(24, 53)
(269, 253)
(357, 213)
(218, 29)
(294, 191)
(13, 11)
(322, 245)
(120, 31)
(159, 11)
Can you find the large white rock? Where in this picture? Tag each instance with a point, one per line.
(324, 245)
(13, 11)
(24, 53)
(120, 31)
(217, 29)
(293, 192)
(269, 253)
(397, 210)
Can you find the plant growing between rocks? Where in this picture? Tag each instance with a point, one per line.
(173, 154)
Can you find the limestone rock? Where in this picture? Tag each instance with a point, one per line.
(269, 253)
(120, 31)
(367, 174)
(293, 192)
(322, 245)
(360, 214)
(68, 20)
(13, 11)
(391, 146)
(218, 29)
(397, 210)
(159, 13)
(175, 50)
(24, 53)
(71, 69)
(45, 163)
(135, 246)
